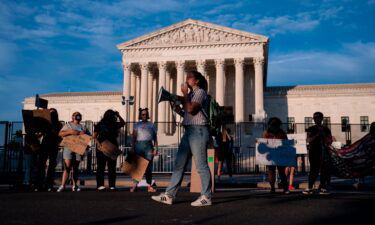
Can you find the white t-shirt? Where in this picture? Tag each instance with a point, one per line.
(145, 131)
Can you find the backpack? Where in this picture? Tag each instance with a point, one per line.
(214, 114)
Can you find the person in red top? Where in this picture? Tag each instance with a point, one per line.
(274, 131)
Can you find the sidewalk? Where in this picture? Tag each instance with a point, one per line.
(239, 181)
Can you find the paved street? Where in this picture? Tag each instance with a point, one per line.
(231, 206)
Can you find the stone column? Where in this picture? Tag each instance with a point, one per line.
(133, 86)
(149, 91)
(220, 79)
(239, 92)
(154, 98)
(171, 82)
(201, 67)
(138, 97)
(162, 106)
(180, 65)
(144, 82)
(258, 68)
(126, 89)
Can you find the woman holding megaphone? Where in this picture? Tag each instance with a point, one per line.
(194, 141)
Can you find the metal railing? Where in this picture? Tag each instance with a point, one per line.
(244, 134)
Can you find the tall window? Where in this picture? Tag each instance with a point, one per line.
(327, 122)
(345, 126)
(291, 123)
(308, 122)
(364, 124)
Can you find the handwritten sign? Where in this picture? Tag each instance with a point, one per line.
(135, 166)
(76, 143)
(275, 152)
(299, 142)
(110, 150)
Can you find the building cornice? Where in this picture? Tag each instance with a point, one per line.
(322, 90)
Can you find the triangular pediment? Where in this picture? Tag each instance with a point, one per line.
(192, 32)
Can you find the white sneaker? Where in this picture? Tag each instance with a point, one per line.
(76, 188)
(202, 201)
(163, 198)
(307, 192)
(61, 188)
(101, 188)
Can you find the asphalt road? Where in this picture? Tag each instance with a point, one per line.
(243, 206)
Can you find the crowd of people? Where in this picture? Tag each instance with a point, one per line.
(194, 144)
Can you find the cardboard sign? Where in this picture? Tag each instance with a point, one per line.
(195, 179)
(110, 150)
(38, 120)
(299, 142)
(135, 166)
(275, 152)
(76, 143)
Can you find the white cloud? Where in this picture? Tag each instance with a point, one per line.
(279, 25)
(223, 8)
(353, 63)
(45, 19)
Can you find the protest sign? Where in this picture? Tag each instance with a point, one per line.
(135, 166)
(299, 142)
(76, 143)
(275, 152)
(110, 150)
(195, 179)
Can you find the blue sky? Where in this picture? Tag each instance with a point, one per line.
(70, 45)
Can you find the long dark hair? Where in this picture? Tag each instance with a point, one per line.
(55, 119)
(202, 82)
(372, 128)
(109, 117)
(274, 125)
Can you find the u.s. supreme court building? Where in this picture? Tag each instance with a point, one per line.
(235, 65)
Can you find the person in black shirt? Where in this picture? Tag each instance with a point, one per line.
(49, 151)
(107, 129)
(319, 138)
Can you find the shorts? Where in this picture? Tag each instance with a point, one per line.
(69, 155)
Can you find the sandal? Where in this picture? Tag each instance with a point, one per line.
(133, 189)
(151, 189)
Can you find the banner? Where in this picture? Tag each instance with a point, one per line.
(299, 142)
(76, 143)
(275, 152)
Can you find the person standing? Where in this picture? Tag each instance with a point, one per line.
(194, 141)
(274, 131)
(319, 138)
(144, 143)
(49, 151)
(225, 141)
(72, 159)
(107, 130)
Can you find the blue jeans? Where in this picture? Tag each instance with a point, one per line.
(193, 143)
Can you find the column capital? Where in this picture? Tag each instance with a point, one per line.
(201, 62)
(180, 64)
(144, 66)
(219, 63)
(126, 66)
(162, 65)
(258, 61)
(239, 62)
